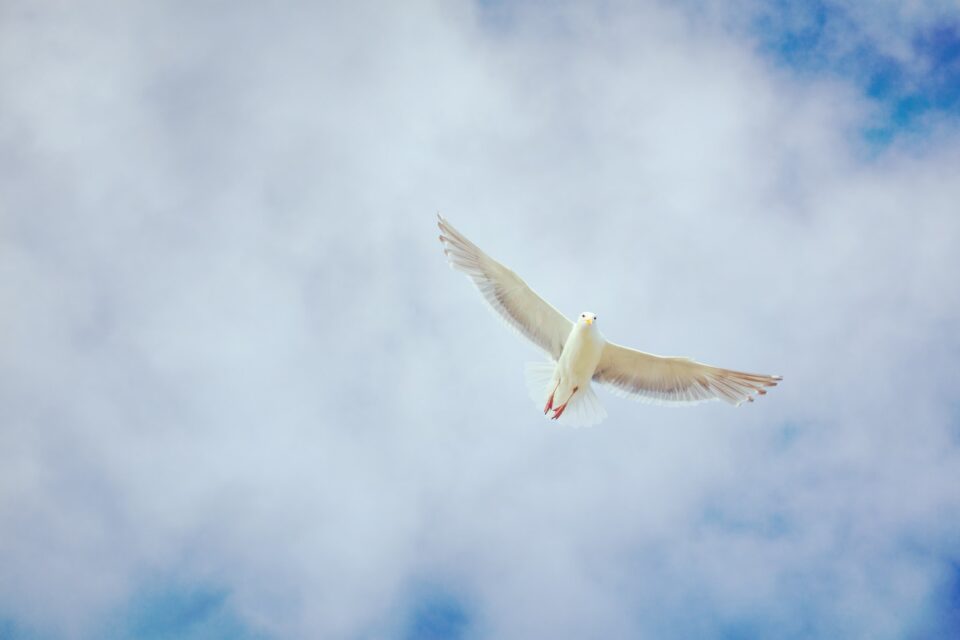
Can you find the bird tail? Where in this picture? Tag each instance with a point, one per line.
(540, 380)
(583, 410)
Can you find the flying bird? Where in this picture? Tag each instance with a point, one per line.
(580, 355)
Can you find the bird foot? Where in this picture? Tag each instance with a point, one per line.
(559, 410)
(550, 399)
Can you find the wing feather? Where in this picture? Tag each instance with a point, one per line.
(674, 380)
(507, 293)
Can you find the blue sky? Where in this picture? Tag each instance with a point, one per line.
(823, 38)
(245, 397)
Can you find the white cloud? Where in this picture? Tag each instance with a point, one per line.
(232, 351)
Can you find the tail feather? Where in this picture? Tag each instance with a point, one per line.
(584, 409)
(540, 381)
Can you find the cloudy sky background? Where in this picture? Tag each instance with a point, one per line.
(243, 396)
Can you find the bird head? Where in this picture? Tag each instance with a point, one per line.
(587, 318)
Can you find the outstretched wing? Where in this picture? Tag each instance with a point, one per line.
(509, 296)
(671, 380)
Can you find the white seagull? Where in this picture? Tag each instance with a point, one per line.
(580, 354)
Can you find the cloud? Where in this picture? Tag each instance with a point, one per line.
(902, 55)
(232, 353)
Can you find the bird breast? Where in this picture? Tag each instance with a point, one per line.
(581, 353)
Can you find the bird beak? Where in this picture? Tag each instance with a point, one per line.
(589, 320)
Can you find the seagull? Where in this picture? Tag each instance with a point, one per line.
(580, 355)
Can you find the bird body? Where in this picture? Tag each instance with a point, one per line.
(578, 361)
(580, 355)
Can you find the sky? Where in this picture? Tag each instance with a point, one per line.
(244, 396)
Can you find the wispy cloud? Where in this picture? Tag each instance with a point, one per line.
(903, 56)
